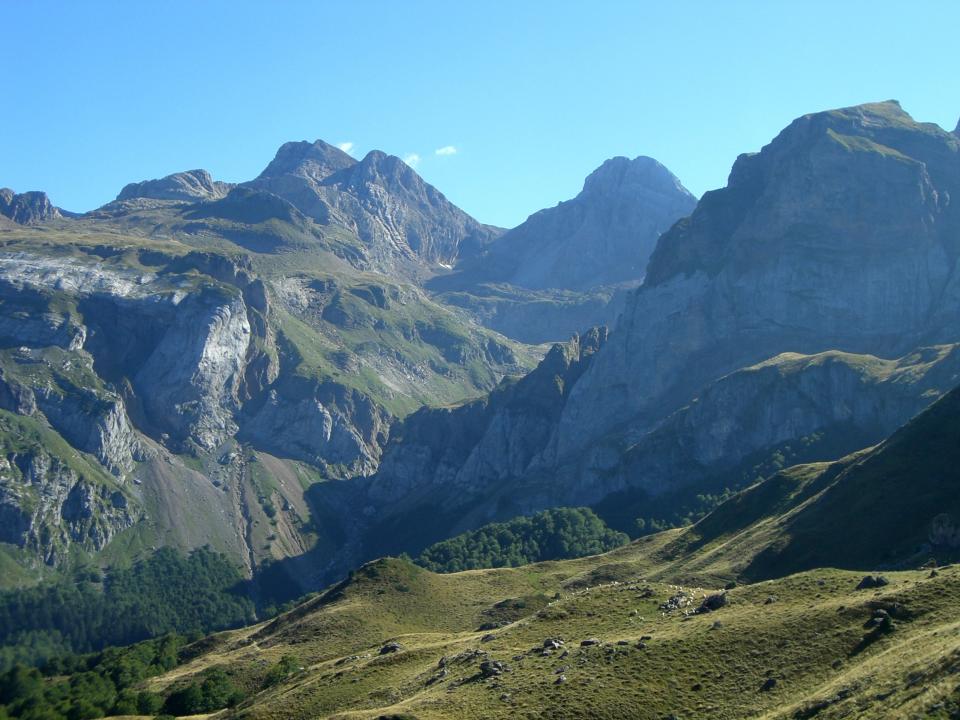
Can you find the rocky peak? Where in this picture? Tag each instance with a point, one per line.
(317, 161)
(190, 186)
(404, 223)
(603, 236)
(841, 174)
(957, 129)
(27, 208)
(622, 176)
(393, 175)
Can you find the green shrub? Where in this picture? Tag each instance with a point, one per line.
(550, 535)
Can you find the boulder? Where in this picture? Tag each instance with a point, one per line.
(872, 581)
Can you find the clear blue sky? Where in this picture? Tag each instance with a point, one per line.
(533, 95)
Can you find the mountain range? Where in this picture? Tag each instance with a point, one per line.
(332, 363)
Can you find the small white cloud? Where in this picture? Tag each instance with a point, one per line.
(412, 159)
(445, 150)
(345, 146)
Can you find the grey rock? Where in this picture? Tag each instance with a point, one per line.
(45, 506)
(320, 422)
(27, 208)
(872, 581)
(712, 602)
(491, 668)
(189, 186)
(603, 236)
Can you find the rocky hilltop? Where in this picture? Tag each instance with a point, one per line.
(401, 220)
(27, 208)
(187, 186)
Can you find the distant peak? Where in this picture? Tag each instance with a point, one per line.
(378, 165)
(957, 129)
(191, 185)
(316, 160)
(621, 174)
(27, 208)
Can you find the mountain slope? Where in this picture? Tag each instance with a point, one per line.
(888, 506)
(837, 235)
(603, 236)
(210, 360)
(803, 312)
(454, 469)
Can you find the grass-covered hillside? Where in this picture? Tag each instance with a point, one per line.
(590, 638)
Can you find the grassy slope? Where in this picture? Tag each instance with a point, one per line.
(872, 509)
(810, 639)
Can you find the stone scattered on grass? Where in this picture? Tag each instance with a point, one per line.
(712, 602)
(491, 668)
(872, 581)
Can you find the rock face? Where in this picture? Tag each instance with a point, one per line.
(320, 423)
(190, 186)
(495, 458)
(183, 354)
(45, 505)
(401, 220)
(840, 234)
(467, 449)
(27, 208)
(603, 236)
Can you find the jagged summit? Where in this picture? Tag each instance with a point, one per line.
(190, 186)
(317, 160)
(27, 208)
(641, 174)
(406, 224)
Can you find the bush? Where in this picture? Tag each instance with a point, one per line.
(215, 692)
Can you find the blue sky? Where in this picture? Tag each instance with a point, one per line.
(531, 95)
